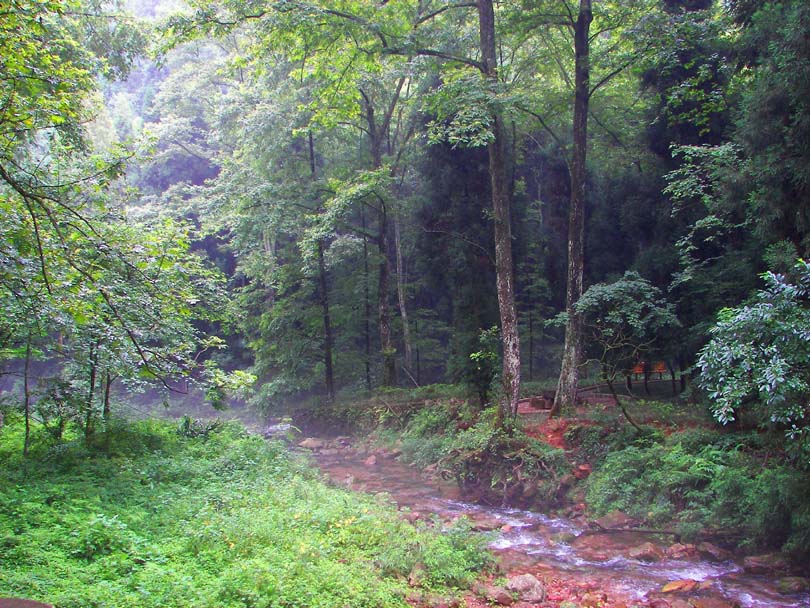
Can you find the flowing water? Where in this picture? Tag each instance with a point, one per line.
(529, 541)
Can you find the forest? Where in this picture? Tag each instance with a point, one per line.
(550, 252)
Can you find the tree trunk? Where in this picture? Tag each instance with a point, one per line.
(91, 393)
(323, 288)
(376, 135)
(107, 411)
(384, 310)
(501, 215)
(366, 302)
(572, 351)
(403, 309)
(27, 396)
(531, 344)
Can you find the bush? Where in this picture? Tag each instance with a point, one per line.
(503, 466)
(696, 485)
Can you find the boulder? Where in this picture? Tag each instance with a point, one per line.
(713, 602)
(312, 443)
(582, 471)
(616, 519)
(793, 584)
(646, 552)
(681, 551)
(494, 594)
(686, 585)
(713, 552)
(417, 576)
(770, 563)
(370, 461)
(593, 599)
(528, 588)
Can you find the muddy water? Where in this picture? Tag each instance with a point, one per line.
(557, 547)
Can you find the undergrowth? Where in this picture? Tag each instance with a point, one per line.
(708, 484)
(167, 517)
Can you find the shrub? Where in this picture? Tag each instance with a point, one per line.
(695, 485)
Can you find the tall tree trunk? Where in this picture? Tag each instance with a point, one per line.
(91, 392)
(106, 413)
(384, 310)
(501, 212)
(27, 396)
(376, 136)
(323, 289)
(329, 374)
(403, 308)
(366, 302)
(572, 351)
(531, 344)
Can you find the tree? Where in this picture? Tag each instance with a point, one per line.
(622, 321)
(758, 357)
(102, 296)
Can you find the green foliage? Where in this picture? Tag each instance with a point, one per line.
(701, 481)
(593, 442)
(218, 519)
(503, 466)
(759, 355)
(485, 363)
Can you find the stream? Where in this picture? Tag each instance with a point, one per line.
(559, 548)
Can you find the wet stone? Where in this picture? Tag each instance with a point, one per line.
(713, 602)
(765, 564)
(645, 552)
(681, 551)
(312, 443)
(712, 551)
(793, 584)
(494, 594)
(681, 586)
(616, 519)
(528, 588)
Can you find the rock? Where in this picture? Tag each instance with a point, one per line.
(370, 461)
(411, 516)
(686, 585)
(529, 490)
(711, 551)
(582, 471)
(312, 443)
(329, 452)
(528, 588)
(646, 552)
(485, 524)
(593, 599)
(681, 551)
(713, 602)
(659, 603)
(616, 519)
(770, 563)
(417, 575)
(678, 603)
(793, 584)
(497, 595)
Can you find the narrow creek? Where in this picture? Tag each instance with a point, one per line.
(559, 548)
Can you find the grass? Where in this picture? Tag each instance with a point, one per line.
(152, 518)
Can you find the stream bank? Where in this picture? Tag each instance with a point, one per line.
(576, 563)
